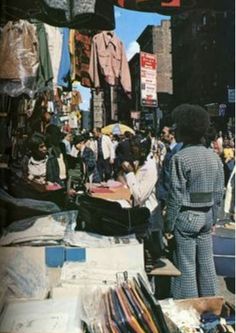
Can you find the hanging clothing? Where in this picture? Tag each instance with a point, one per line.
(18, 50)
(83, 44)
(72, 53)
(108, 59)
(78, 14)
(19, 58)
(54, 38)
(64, 69)
(45, 73)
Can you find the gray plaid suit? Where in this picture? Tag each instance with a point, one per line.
(196, 191)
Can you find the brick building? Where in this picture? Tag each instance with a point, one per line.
(155, 40)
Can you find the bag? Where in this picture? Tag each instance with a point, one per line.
(109, 218)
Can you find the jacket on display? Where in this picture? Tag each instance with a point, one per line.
(78, 14)
(108, 60)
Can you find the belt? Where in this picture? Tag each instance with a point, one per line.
(198, 209)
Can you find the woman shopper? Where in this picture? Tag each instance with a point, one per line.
(196, 191)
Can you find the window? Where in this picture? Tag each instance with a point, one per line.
(204, 20)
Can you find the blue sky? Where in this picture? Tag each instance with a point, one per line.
(129, 26)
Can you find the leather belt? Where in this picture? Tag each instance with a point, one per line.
(197, 209)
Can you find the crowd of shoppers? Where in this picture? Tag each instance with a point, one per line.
(179, 176)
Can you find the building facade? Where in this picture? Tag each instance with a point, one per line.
(154, 40)
(203, 53)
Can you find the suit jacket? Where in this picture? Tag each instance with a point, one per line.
(107, 148)
(196, 180)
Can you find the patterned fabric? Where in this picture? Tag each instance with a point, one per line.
(194, 169)
(83, 42)
(193, 256)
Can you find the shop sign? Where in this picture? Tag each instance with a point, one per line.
(231, 95)
(148, 70)
(170, 3)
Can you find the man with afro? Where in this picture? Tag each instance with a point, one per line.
(196, 191)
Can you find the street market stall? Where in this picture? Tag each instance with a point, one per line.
(76, 266)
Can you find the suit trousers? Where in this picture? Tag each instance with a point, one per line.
(193, 255)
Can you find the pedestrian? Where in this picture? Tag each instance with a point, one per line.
(195, 195)
(88, 157)
(105, 154)
(228, 158)
(56, 149)
(68, 138)
(123, 150)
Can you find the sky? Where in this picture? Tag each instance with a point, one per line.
(129, 26)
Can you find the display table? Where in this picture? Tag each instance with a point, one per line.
(168, 270)
(109, 193)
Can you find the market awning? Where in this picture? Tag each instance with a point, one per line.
(15, 9)
(172, 7)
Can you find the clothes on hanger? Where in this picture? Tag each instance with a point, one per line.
(54, 38)
(83, 44)
(108, 60)
(63, 78)
(19, 58)
(45, 72)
